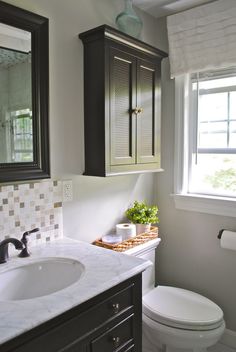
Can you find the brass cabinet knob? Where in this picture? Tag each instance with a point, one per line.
(140, 110)
(137, 110)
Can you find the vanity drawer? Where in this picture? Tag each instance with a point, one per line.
(114, 305)
(98, 318)
(117, 338)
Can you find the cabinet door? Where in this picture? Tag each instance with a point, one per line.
(148, 120)
(122, 100)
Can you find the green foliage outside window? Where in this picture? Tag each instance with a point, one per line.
(225, 179)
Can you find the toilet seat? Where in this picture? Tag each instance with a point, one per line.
(183, 309)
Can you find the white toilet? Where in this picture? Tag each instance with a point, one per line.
(174, 319)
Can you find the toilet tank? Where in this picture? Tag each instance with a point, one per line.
(146, 251)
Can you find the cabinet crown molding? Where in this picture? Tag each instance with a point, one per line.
(106, 32)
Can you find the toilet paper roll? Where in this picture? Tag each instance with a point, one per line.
(126, 230)
(228, 240)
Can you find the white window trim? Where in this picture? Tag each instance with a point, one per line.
(183, 199)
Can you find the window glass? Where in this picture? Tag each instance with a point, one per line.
(214, 174)
(212, 107)
(212, 167)
(209, 82)
(233, 106)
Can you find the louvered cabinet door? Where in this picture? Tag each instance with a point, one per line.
(121, 103)
(149, 117)
(122, 99)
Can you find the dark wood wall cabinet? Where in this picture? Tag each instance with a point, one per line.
(122, 103)
(109, 322)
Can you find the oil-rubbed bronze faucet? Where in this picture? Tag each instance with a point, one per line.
(25, 252)
(4, 248)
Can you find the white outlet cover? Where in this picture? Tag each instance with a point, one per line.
(67, 187)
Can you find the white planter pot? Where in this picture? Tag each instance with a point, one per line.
(141, 228)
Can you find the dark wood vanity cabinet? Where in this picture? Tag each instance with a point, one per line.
(122, 103)
(109, 322)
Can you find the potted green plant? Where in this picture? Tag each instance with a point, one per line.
(142, 215)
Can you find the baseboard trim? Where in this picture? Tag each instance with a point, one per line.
(229, 338)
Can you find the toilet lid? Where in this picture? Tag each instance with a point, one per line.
(181, 308)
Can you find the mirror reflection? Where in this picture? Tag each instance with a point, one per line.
(16, 123)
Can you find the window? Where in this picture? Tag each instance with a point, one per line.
(205, 165)
(213, 154)
(21, 136)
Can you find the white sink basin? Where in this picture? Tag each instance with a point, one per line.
(40, 278)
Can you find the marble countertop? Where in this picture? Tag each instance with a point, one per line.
(103, 270)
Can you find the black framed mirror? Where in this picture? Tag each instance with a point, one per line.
(24, 86)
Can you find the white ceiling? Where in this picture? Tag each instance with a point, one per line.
(159, 8)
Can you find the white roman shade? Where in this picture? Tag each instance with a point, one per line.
(203, 38)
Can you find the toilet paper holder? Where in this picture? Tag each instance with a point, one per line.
(221, 232)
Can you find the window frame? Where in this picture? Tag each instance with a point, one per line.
(184, 136)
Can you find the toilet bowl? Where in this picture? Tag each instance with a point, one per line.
(181, 319)
(175, 319)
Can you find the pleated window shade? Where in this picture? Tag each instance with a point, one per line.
(203, 38)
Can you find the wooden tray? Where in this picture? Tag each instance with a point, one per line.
(131, 242)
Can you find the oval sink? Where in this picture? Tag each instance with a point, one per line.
(40, 278)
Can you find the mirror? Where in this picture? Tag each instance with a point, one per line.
(24, 134)
(16, 128)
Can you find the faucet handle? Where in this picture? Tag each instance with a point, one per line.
(25, 253)
(27, 233)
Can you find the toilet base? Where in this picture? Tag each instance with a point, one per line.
(148, 345)
(161, 338)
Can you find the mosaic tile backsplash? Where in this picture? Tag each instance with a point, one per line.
(24, 207)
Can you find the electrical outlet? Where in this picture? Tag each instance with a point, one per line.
(67, 191)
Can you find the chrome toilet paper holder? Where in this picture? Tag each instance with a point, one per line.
(221, 233)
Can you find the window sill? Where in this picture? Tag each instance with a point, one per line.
(206, 204)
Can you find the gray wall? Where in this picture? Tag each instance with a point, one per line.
(190, 255)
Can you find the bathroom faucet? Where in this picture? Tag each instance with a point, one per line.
(25, 252)
(4, 248)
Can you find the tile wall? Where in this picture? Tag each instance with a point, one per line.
(24, 207)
